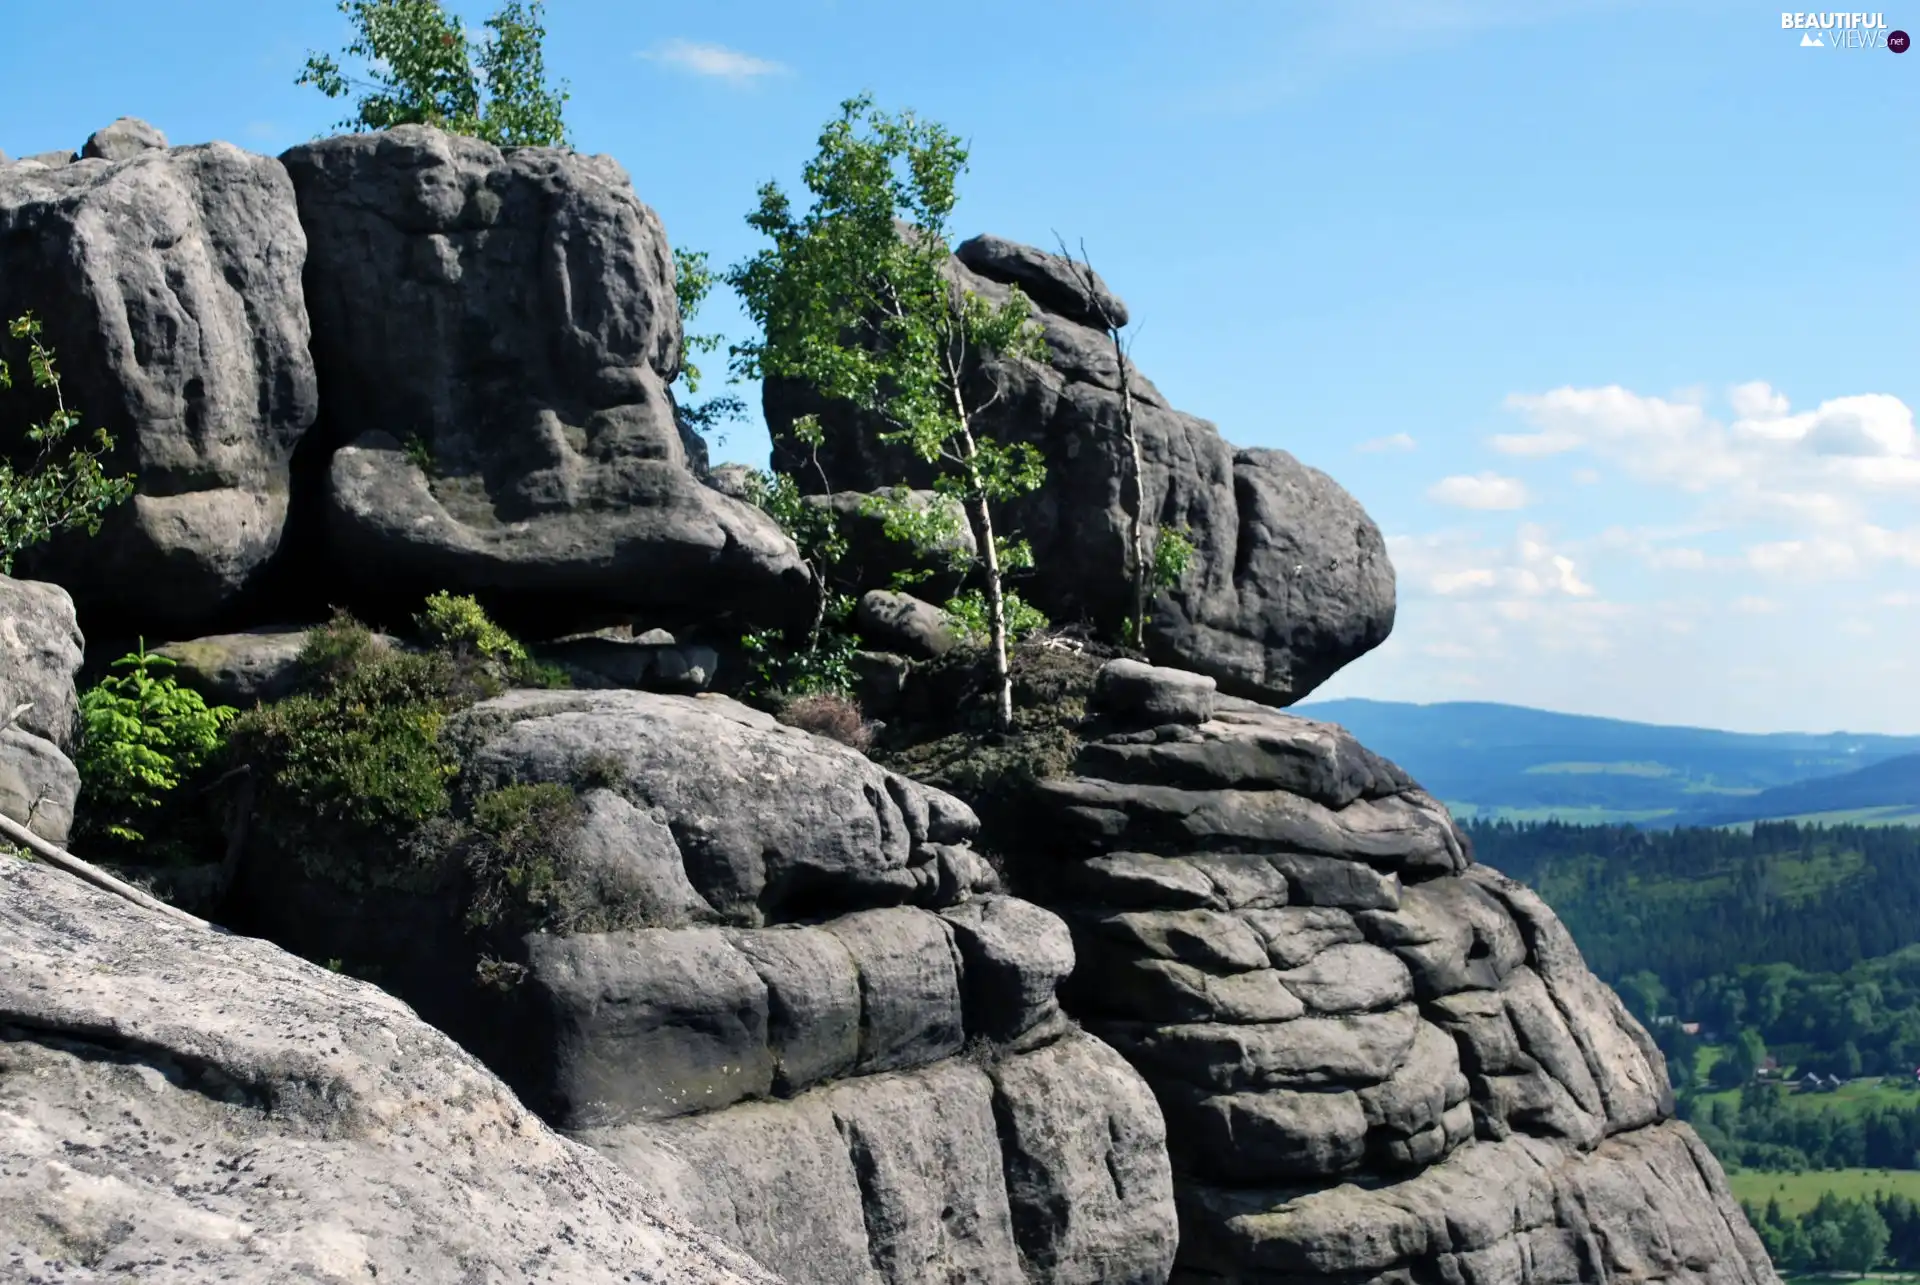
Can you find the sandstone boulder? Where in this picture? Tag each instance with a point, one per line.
(1377, 1061)
(40, 652)
(1289, 578)
(178, 1106)
(494, 334)
(169, 285)
(790, 1001)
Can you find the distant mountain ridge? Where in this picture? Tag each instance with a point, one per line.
(1488, 759)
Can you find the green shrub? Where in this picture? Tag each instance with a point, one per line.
(357, 785)
(142, 734)
(41, 496)
(450, 620)
(515, 852)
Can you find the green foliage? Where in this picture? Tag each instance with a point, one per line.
(41, 495)
(142, 734)
(819, 663)
(419, 453)
(853, 299)
(1172, 555)
(458, 622)
(693, 283)
(820, 660)
(968, 611)
(515, 853)
(424, 69)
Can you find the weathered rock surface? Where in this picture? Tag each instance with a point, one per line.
(40, 652)
(182, 1106)
(127, 137)
(903, 624)
(169, 285)
(792, 1004)
(494, 335)
(1289, 579)
(1377, 1061)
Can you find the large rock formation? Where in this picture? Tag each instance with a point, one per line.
(168, 282)
(1290, 579)
(784, 995)
(1377, 1061)
(40, 652)
(181, 1106)
(495, 334)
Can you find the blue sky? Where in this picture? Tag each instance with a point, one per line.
(1605, 311)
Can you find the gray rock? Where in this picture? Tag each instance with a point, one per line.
(513, 316)
(57, 159)
(758, 812)
(880, 679)
(1208, 939)
(170, 288)
(651, 1023)
(639, 663)
(910, 1012)
(874, 558)
(1308, 1052)
(813, 1002)
(1295, 935)
(1085, 1159)
(180, 1105)
(1350, 979)
(1260, 750)
(1139, 880)
(1049, 280)
(1243, 880)
(1013, 956)
(1162, 990)
(1452, 934)
(127, 137)
(242, 668)
(40, 653)
(902, 623)
(1390, 833)
(1289, 579)
(1048, 1167)
(38, 784)
(1150, 695)
(1269, 1137)
(1417, 1096)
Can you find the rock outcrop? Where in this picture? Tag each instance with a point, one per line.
(784, 996)
(181, 1106)
(1289, 579)
(494, 335)
(168, 282)
(40, 652)
(1377, 1060)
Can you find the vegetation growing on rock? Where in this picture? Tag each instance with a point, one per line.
(142, 736)
(42, 495)
(853, 300)
(423, 69)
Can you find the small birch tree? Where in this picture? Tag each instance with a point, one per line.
(854, 298)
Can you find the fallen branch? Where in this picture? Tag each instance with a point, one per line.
(60, 857)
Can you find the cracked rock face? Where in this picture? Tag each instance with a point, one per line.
(494, 334)
(181, 1106)
(168, 282)
(40, 652)
(1377, 1060)
(817, 1030)
(1289, 578)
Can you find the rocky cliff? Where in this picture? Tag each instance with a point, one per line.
(1213, 995)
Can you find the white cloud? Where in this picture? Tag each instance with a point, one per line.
(1753, 605)
(716, 61)
(1451, 565)
(1394, 443)
(1486, 491)
(1586, 476)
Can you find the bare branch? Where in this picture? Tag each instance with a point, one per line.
(64, 860)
